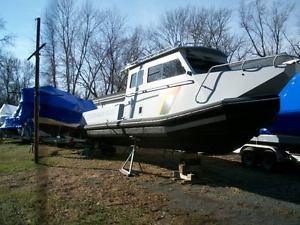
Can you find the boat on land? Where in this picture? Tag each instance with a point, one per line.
(60, 114)
(191, 98)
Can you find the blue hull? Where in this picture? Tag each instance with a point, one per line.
(287, 121)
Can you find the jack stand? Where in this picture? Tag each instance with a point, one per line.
(189, 167)
(130, 172)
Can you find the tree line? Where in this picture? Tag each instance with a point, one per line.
(87, 48)
(14, 74)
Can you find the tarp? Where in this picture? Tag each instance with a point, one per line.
(55, 104)
(7, 109)
(288, 119)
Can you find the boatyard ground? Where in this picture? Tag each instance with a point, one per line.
(67, 187)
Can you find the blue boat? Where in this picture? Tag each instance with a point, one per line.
(60, 113)
(287, 121)
(280, 142)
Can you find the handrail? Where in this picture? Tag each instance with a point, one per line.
(274, 60)
(176, 84)
(242, 68)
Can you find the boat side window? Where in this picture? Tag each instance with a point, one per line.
(165, 70)
(203, 66)
(139, 79)
(173, 68)
(133, 80)
(136, 79)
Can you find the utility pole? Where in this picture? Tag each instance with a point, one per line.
(36, 90)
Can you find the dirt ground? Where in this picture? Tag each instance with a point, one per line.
(72, 186)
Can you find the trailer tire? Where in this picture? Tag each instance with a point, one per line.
(248, 157)
(268, 161)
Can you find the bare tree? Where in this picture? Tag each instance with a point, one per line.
(174, 26)
(112, 33)
(90, 78)
(196, 26)
(210, 28)
(294, 45)
(13, 77)
(135, 46)
(4, 38)
(153, 41)
(265, 26)
(89, 22)
(7, 70)
(66, 23)
(27, 74)
(110, 48)
(51, 49)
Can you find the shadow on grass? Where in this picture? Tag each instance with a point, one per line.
(282, 184)
(159, 159)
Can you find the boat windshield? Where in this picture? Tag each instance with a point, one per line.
(203, 66)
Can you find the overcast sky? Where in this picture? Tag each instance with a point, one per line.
(19, 15)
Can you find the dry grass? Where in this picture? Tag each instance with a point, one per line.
(69, 188)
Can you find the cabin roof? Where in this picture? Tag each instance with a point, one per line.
(189, 50)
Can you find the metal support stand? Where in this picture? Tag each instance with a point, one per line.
(130, 171)
(189, 167)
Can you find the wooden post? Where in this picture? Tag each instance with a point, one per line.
(36, 92)
(36, 53)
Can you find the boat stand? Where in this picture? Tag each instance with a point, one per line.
(189, 167)
(130, 172)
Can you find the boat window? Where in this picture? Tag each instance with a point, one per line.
(165, 70)
(133, 80)
(136, 79)
(202, 66)
(172, 68)
(154, 73)
(139, 79)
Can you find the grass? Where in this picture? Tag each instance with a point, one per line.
(15, 157)
(55, 191)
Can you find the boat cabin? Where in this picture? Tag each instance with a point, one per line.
(163, 72)
(175, 62)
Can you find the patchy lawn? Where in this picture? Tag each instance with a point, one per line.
(69, 188)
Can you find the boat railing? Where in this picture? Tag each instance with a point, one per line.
(166, 86)
(275, 63)
(109, 98)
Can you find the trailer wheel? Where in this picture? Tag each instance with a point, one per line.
(268, 161)
(248, 157)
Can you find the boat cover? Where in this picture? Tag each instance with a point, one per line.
(7, 109)
(287, 121)
(55, 104)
